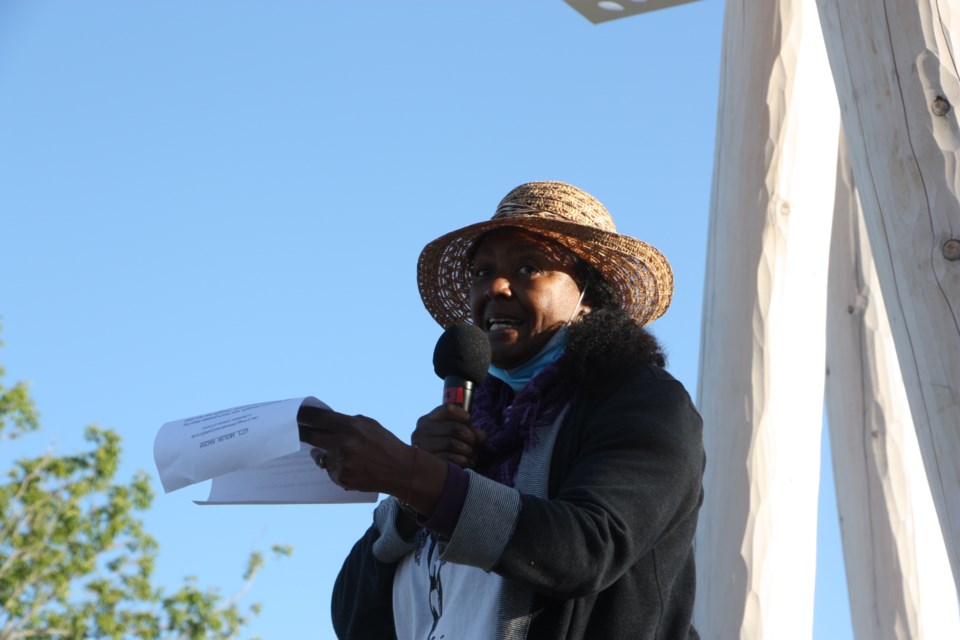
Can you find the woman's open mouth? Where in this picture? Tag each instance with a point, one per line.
(500, 323)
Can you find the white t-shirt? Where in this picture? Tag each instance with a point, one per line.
(437, 600)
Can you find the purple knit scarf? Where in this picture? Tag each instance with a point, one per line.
(511, 423)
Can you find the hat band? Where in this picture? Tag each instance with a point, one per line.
(514, 209)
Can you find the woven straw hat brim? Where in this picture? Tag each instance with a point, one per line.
(639, 274)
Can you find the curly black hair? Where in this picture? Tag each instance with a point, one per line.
(607, 343)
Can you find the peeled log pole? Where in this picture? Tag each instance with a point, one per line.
(897, 570)
(762, 342)
(898, 87)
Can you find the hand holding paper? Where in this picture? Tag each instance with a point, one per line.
(361, 454)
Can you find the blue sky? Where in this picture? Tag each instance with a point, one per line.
(209, 203)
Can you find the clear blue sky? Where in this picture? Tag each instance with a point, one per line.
(210, 203)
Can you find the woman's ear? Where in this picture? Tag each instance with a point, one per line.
(583, 307)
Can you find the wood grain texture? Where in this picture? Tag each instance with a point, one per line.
(762, 343)
(894, 68)
(898, 575)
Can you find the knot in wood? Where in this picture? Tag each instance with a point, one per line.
(951, 249)
(940, 106)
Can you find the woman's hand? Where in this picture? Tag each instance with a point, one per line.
(361, 455)
(446, 433)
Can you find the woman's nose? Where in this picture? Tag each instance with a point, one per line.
(499, 286)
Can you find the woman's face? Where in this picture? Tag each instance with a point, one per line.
(522, 290)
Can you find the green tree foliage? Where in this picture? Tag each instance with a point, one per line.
(75, 561)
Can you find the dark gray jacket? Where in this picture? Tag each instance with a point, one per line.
(606, 553)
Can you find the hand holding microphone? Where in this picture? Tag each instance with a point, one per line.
(461, 358)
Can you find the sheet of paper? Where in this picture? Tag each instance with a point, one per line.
(205, 446)
(290, 479)
(253, 454)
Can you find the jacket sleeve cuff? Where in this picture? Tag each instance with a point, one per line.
(486, 523)
(390, 546)
(445, 516)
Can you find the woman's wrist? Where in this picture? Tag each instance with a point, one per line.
(423, 484)
(445, 514)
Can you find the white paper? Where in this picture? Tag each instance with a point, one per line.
(290, 479)
(252, 453)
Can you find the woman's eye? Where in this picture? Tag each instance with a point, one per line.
(481, 272)
(527, 270)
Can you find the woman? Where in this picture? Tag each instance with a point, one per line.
(564, 504)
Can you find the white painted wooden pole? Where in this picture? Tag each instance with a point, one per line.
(896, 76)
(897, 570)
(762, 343)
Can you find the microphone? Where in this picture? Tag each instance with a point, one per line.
(461, 358)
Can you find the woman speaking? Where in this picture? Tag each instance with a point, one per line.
(564, 503)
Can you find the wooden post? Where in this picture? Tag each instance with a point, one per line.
(897, 570)
(762, 343)
(897, 80)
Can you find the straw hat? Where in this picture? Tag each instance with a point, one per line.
(638, 274)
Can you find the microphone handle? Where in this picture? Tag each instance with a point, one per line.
(457, 390)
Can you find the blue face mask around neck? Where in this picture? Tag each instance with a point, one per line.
(518, 377)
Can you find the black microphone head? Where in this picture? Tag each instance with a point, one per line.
(463, 350)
